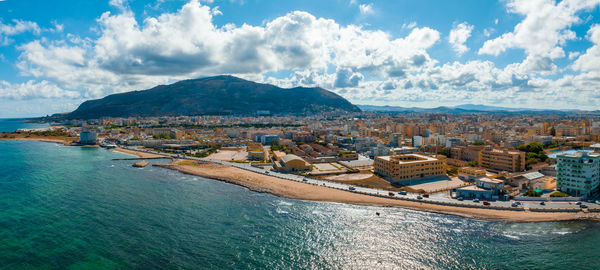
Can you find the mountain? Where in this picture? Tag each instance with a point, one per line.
(219, 95)
(477, 107)
(465, 108)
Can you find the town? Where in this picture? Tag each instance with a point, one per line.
(480, 157)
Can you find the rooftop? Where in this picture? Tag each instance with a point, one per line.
(408, 158)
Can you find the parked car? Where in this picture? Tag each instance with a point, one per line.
(578, 203)
(351, 188)
(391, 193)
(542, 203)
(515, 204)
(583, 206)
(460, 199)
(476, 200)
(419, 197)
(486, 203)
(402, 192)
(426, 195)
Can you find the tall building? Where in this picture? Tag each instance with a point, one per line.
(578, 174)
(87, 137)
(502, 160)
(400, 168)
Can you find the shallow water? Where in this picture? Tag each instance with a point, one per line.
(75, 208)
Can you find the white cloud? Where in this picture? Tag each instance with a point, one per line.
(366, 9)
(410, 25)
(543, 31)
(18, 27)
(33, 89)
(187, 44)
(458, 36)
(590, 60)
(367, 66)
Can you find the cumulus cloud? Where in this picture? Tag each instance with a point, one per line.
(31, 89)
(17, 27)
(458, 36)
(543, 31)
(590, 60)
(363, 65)
(129, 54)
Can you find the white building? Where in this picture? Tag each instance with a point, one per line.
(578, 174)
(87, 137)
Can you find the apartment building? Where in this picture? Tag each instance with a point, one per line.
(502, 160)
(400, 168)
(466, 153)
(578, 174)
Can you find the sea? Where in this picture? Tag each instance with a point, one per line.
(64, 207)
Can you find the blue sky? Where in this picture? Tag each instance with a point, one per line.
(523, 53)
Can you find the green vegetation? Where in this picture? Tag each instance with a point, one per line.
(472, 163)
(532, 193)
(278, 147)
(535, 152)
(452, 171)
(478, 143)
(207, 152)
(559, 194)
(445, 152)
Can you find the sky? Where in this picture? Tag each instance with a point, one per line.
(512, 53)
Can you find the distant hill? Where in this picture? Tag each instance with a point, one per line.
(220, 95)
(465, 108)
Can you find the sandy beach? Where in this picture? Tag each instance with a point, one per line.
(302, 191)
(137, 153)
(61, 140)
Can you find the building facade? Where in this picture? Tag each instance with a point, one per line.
(399, 168)
(87, 137)
(578, 174)
(502, 160)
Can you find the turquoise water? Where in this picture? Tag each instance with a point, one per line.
(9, 125)
(75, 208)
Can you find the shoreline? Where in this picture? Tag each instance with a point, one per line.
(303, 191)
(309, 192)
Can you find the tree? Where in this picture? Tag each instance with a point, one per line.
(444, 151)
(472, 163)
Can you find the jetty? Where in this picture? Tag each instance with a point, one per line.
(140, 164)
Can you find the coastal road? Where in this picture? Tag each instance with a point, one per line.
(558, 206)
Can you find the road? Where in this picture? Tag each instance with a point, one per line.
(435, 198)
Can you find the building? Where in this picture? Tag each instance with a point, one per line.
(417, 141)
(471, 173)
(401, 168)
(466, 153)
(502, 160)
(87, 137)
(403, 150)
(256, 151)
(269, 139)
(484, 189)
(578, 174)
(305, 137)
(168, 133)
(290, 163)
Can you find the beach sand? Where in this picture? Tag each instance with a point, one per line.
(61, 140)
(302, 191)
(137, 153)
